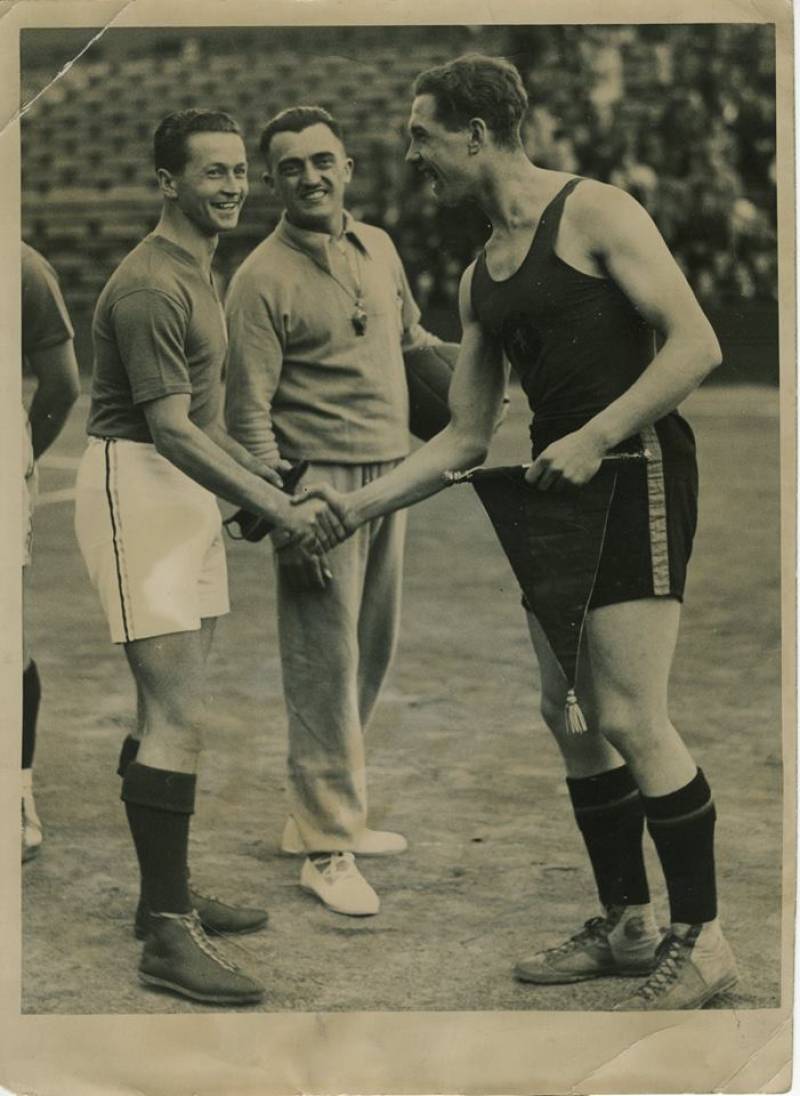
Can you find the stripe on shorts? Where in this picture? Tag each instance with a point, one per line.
(657, 510)
(113, 510)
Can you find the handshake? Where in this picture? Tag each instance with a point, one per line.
(317, 522)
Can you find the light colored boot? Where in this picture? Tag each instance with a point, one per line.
(695, 964)
(622, 943)
(32, 834)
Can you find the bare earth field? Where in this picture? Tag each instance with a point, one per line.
(459, 761)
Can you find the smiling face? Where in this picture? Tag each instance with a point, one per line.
(440, 153)
(211, 189)
(309, 171)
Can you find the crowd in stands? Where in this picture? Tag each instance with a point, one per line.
(683, 116)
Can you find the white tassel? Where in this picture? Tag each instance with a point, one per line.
(574, 717)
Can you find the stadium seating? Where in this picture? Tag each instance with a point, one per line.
(681, 116)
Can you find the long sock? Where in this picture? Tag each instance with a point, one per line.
(682, 827)
(159, 805)
(608, 811)
(31, 696)
(128, 753)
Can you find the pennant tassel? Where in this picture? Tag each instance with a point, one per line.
(573, 716)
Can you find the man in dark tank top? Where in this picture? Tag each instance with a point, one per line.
(573, 285)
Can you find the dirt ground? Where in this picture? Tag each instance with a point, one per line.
(459, 761)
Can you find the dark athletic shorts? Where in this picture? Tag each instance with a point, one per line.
(653, 515)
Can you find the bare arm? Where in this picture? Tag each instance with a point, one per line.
(476, 394)
(620, 233)
(58, 386)
(191, 450)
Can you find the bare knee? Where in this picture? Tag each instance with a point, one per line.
(630, 726)
(552, 709)
(179, 720)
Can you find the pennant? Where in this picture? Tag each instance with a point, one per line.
(553, 541)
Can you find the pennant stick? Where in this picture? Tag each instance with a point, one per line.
(468, 475)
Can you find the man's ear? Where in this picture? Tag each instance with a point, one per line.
(166, 182)
(478, 135)
(268, 180)
(349, 168)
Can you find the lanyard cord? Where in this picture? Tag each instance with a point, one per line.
(360, 316)
(357, 295)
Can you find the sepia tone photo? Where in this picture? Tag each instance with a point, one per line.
(402, 632)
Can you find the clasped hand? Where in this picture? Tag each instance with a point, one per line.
(312, 524)
(569, 462)
(341, 522)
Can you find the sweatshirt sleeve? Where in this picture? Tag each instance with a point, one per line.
(255, 359)
(415, 337)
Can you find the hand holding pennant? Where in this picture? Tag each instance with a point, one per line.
(553, 541)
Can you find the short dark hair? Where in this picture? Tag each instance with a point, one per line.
(474, 86)
(170, 139)
(295, 120)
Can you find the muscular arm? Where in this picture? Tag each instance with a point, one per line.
(620, 235)
(476, 393)
(57, 388)
(636, 257)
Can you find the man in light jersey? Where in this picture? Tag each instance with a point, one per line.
(150, 531)
(572, 284)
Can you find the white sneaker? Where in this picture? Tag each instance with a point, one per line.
(694, 965)
(340, 885)
(32, 835)
(369, 843)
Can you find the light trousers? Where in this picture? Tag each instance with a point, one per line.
(336, 647)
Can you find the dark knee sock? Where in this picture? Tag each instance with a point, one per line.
(159, 805)
(682, 827)
(31, 695)
(128, 753)
(608, 811)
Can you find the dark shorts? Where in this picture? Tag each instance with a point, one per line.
(652, 518)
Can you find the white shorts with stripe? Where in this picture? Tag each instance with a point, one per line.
(151, 539)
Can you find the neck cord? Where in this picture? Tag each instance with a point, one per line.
(359, 317)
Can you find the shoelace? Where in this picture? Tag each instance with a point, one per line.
(593, 931)
(230, 941)
(206, 897)
(192, 922)
(671, 955)
(336, 864)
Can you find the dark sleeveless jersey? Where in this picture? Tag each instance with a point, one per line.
(574, 340)
(577, 343)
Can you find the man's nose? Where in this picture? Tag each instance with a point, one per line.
(310, 173)
(411, 153)
(233, 184)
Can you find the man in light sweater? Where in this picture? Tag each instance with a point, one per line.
(319, 317)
